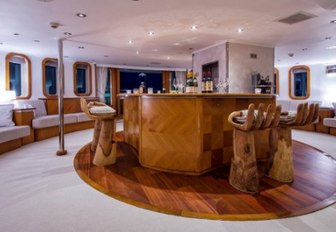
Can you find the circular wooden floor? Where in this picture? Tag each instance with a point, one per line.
(210, 196)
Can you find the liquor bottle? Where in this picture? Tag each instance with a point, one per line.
(189, 83)
(142, 88)
(195, 82)
(209, 83)
(204, 87)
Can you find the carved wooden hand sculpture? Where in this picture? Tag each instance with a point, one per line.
(281, 156)
(102, 143)
(244, 171)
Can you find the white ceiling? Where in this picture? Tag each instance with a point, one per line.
(110, 24)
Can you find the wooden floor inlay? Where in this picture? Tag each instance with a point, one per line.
(210, 196)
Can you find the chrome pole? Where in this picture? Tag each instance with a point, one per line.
(61, 150)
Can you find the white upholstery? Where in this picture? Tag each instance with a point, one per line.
(329, 122)
(13, 132)
(52, 120)
(81, 117)
(39, 105)
(291, 105)
(101, 110)
(6, 115)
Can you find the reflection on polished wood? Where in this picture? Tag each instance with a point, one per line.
(186, 133)
(210, 195)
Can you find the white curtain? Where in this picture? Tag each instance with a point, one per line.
(101, 83)
(180, 76)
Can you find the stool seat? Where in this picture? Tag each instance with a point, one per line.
(102, 143)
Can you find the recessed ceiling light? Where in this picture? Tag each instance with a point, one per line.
(333, 21)
(176, 44)
(240, 30)
(16, 34)
(67, 33)
(81, 15)
(193, 27)
(130, 41)
(304, 49)
(81, 47)
(155, 50)
(168, 58)
(36, 41)
(151, 33)
(137, 52)
(106, 56)
(327, 38)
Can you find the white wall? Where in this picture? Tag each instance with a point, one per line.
(322, 85)
(242, 66)
(36, 63)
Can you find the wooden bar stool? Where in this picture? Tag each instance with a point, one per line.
(280, 162)
(102, 143)
(244, 170)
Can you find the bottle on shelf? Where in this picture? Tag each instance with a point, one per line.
(142, 88)
(209, 82)
(204, 87)
(189, 84)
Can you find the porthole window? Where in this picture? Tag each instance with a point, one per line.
(82, 78)
(18, 75)
(49, 77)
(299, 82)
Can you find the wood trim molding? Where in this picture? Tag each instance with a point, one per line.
(8, 58)
(290, 82)
(90, 78)
(165, 80)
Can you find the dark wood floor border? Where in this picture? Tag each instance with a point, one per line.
(222, 216)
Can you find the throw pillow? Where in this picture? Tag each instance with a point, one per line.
(6, 115)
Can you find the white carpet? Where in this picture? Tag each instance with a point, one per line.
(40, 192)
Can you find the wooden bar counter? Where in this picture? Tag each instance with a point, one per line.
(186, 133)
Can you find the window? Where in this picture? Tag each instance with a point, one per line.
(107, 93)
(49, 77)
(82, 78)
(18, 75)
(299, 82)
(130, 79)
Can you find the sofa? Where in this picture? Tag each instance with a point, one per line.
(11, 135)
(330, 122)
(45, 122)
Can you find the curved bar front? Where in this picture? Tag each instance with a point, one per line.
(186, 133)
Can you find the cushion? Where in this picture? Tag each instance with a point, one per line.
(52, 120)
(6, 115)
(13, 132)
(329, 122)
(101, 110)
(81, 117)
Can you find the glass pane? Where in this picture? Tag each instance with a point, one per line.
(130, 79)
(300, 84)
(15, 78)
(81, 80)
(51, 86)
(108, 89)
